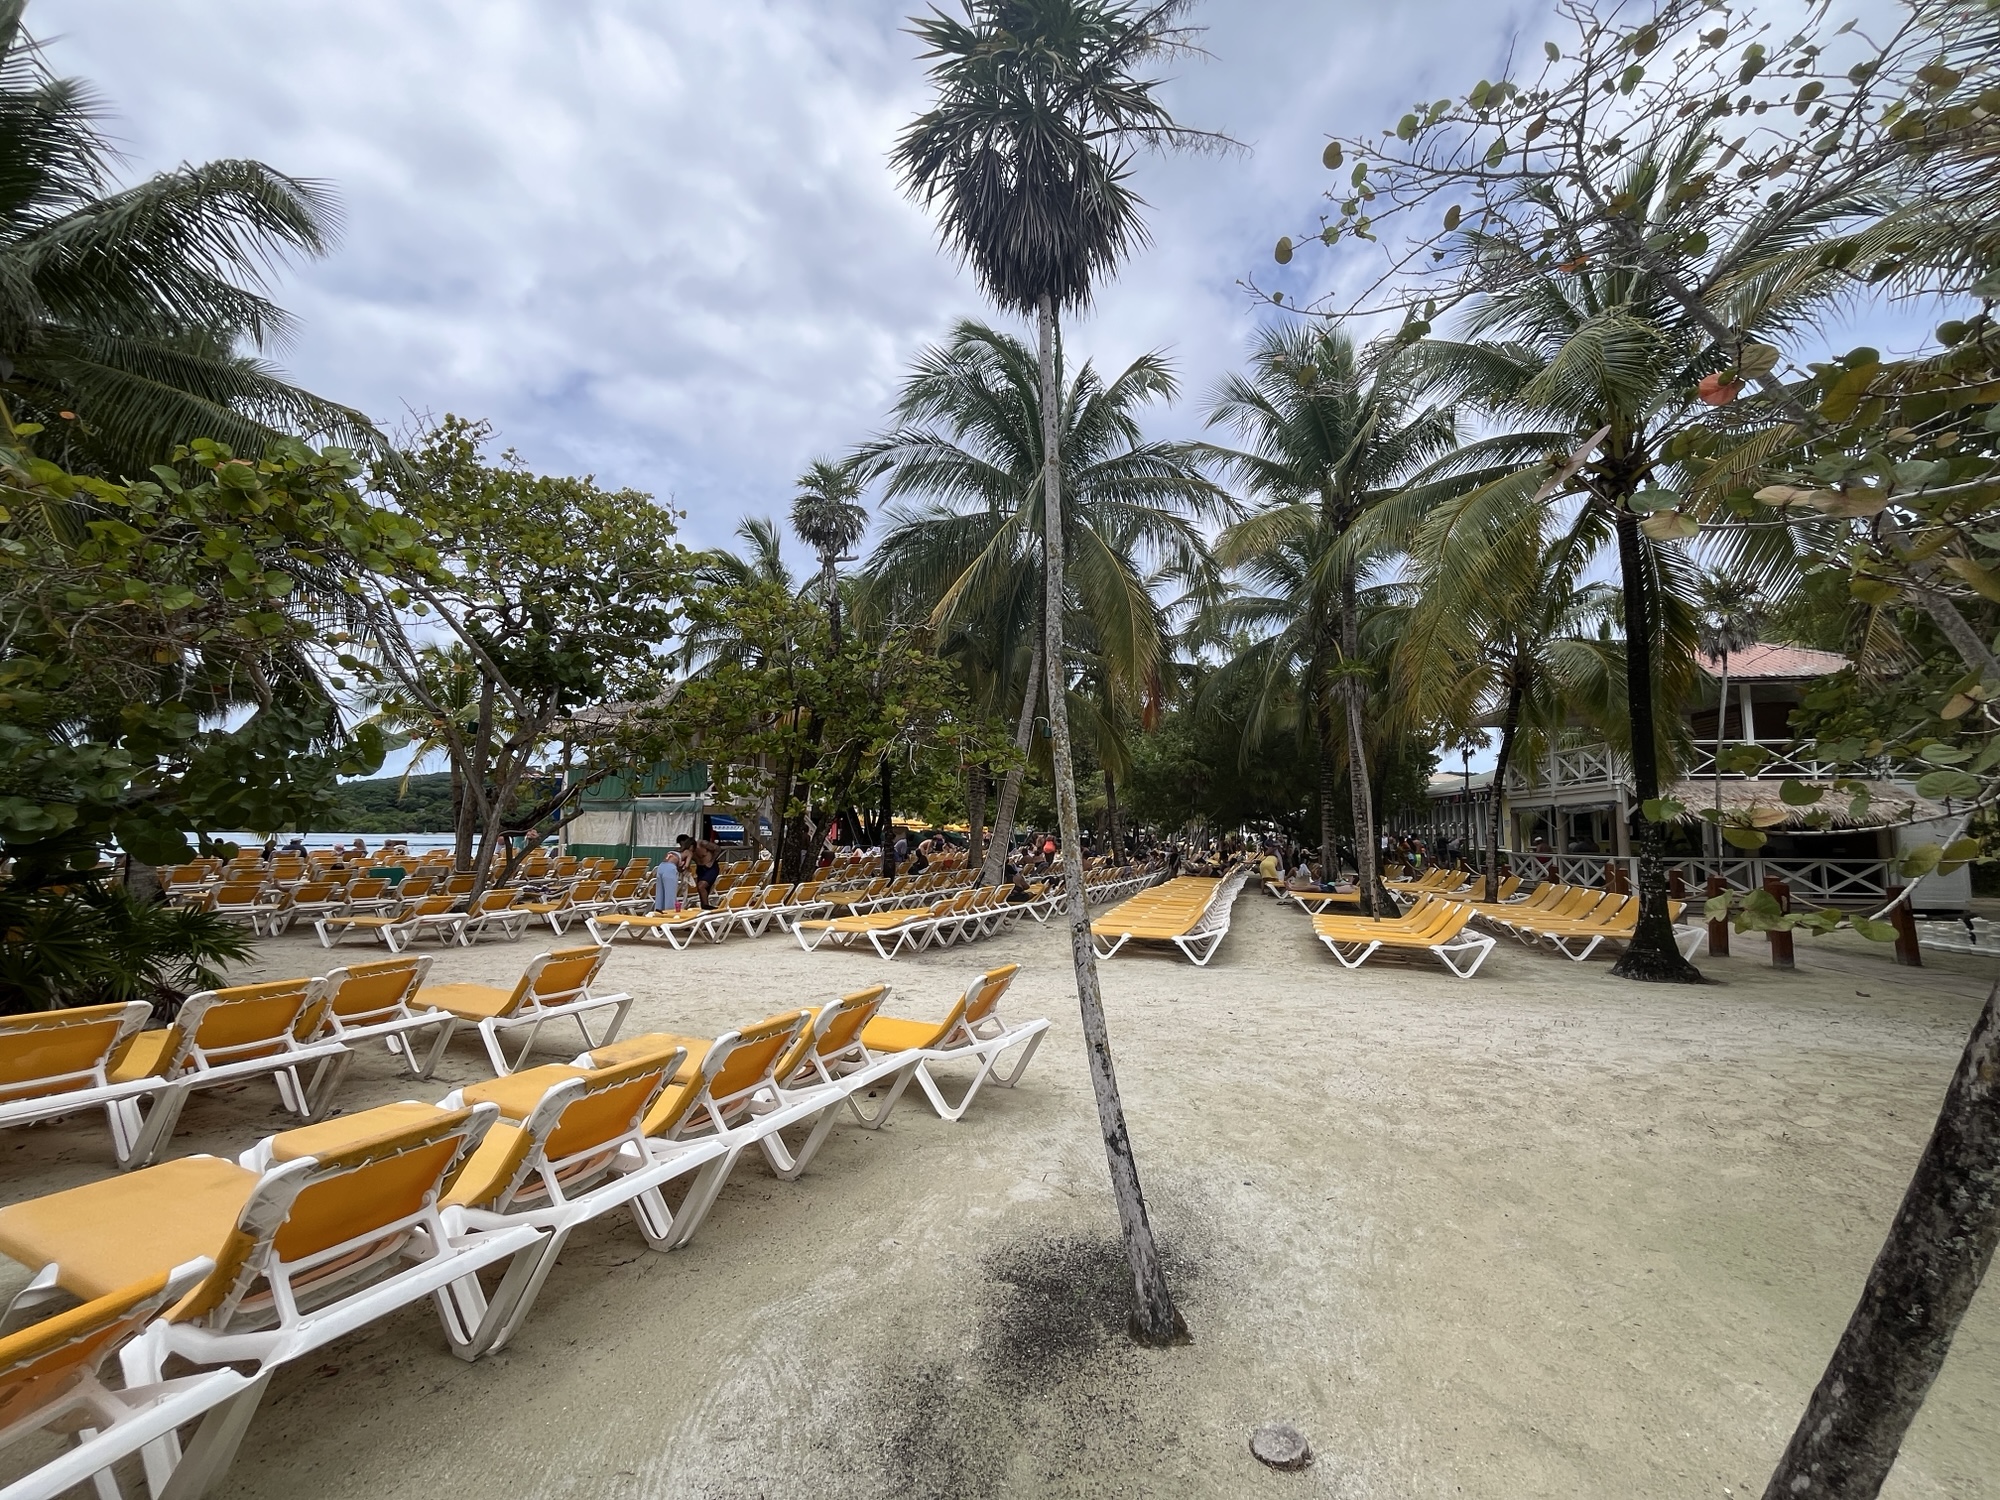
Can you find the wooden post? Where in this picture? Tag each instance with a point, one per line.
(1676, 885)
(1718, 932)
(1781, 942)
(1908, 954)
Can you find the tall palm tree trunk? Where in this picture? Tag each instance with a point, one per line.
(1651, 954)
(1510, 725)
(1010, 784)
(1114, 819)
(1353, 691)
(1323, 762)
(1155, 1319)
(977, 784)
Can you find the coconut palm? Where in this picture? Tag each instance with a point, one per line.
(1025, 156)
(131, 317)
(1600, 354)
(1332, 432)
(1505, 624)
(827, 517)
(968, 449)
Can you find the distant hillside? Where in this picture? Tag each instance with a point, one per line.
(374, 807)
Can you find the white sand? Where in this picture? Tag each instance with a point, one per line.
(1543, 1233)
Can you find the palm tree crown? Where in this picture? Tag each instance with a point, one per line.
(1026, 152)
(125, 313)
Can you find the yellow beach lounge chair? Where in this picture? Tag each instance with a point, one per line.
(678, 928)
(222, 1037)
(397, 927)
(1614, 921)
(51, 1380)
(972, 1031)
(735, 1094)
(571, 1147)
(367, 1001)
(1441, 930)
(58, 1062)
(1190, 912)
(333, 1227)
(554, 986)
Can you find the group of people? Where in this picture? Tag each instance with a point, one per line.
(692, 862)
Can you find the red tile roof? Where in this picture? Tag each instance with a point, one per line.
(1775, 664)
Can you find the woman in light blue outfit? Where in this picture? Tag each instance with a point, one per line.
(666, 883)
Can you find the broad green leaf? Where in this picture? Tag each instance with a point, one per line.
(1662, 809)
(1874, 931)
(1670, 526)
(1744, 838)
(1939, 784)
(1799, 794)
(1941, 754)
(1921, 860)
(1283, 254)
(1332, 156)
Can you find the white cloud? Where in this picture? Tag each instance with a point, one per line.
(658, 239)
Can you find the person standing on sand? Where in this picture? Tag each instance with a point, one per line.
(667, 883)
(707, 866)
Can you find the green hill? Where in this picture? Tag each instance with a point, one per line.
(374, 806)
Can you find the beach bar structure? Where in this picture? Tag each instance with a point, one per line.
(1567, 814)
(639, 814)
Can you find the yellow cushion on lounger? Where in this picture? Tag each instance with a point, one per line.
(490, 1167)
(110, 1233)
(348, 1131)
(633, 1048)
(891, 1034)
(670, 1106)
(145, 1055)
(472, 1002)
(518, 1093)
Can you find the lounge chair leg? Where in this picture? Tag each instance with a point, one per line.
(157, 1128)
(888, 1104)
(326, 1081)
(515, 1297)
(701, 1196)
(788, 1164)
(214, 1446)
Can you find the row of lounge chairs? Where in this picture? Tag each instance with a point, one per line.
(319, 1231)
(300, 1033)
(966, 917)
(1189, 911)
(1573, 921)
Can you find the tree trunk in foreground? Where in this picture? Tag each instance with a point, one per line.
(1155, 1319)
(1353, 692)
(1721, 716)
(1651, 955)
(1509, 726)
(1938, 1249)
(1010, 784)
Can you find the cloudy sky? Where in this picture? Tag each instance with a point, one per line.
(658, 241)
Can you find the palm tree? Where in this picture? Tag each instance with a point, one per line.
(1332, 433)
(449, 701)
(1732, 616)
(1602, 355)
(1025, 156)
(970, 443)
(1505, 624)
(130, 318)
(827, 519)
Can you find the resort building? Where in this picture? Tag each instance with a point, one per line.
(1570, 811)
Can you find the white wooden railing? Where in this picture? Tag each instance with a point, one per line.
(1601, 766)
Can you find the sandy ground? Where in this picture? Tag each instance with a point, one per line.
(1542, 1233)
